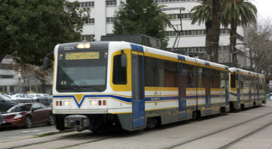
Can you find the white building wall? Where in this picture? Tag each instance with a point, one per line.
(100, 28)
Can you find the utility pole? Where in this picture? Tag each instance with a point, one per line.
(251, 63)
(178, 32)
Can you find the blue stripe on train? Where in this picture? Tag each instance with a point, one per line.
(247, 94)
(125, 99)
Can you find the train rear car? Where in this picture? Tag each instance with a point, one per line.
(247, 89)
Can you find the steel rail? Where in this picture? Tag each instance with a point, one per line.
(218, 131)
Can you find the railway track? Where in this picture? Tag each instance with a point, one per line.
(226, 129)
(245, 136)
(228, 135)
(40, 143)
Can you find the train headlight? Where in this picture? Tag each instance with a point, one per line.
(87, 45)
(66, 103)
(83, 45)
(93, 103)
(80, 46)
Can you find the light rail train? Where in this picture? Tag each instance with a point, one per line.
(107, 85)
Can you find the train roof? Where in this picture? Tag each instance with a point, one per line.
(186, 59)
(117, 45)
(245, 72)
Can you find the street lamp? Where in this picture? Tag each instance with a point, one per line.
(250, 58)
(231, 55)
(20, 81)
(234, 51)
(178, 32)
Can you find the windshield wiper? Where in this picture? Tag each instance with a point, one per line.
(72, 87)
(76, 88)
(92, 87)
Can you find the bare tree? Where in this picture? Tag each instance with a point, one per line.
(260, 45)
(31, 73)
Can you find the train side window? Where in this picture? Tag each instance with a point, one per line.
(119, 72)
(233, 79)
(199, 73)
(222, 80)
(241, 82)
(160, 73)
(170, 74)
(215, 78)
(190, 76)
(261, 83)
(151, 71)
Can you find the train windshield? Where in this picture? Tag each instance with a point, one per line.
(82, 71)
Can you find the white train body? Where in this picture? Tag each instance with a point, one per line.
(100, 85)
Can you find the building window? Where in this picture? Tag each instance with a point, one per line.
(199, 33)
(11, 89)
(6, 76)
(90, 21)
(177, 16)
(87, 38)
(110, 20)
(3, 88)
(173, 1)
(86, 4)
(111, 3)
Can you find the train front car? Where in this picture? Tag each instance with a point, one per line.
(247, 89)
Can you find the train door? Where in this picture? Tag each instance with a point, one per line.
(182, 90)
(226, 74)
(208, 91)
(258, 89)
(138, 102)
(237, 77)
(249, 88)
(253, 95)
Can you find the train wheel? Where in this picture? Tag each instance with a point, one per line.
(60, 123)
(196, 115)
(99, 130)
(151, 123)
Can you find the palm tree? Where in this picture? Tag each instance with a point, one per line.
(209, 12)
(236, 13)
(216, 22)
(203, 14)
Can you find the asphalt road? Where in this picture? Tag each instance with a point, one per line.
(250, 128)
(17, 133)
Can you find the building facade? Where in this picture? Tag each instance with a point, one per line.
(191, 41)
(9, 81)
(17, 81)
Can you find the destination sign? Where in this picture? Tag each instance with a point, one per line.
(82, 56)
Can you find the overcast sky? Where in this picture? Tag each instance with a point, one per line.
(264, 9)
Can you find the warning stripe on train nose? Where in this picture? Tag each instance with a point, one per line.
(79, 98)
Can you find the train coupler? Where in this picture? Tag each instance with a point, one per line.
(77, 122)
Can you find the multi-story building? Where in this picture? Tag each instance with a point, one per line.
(9, 81)
(191, 41)
(15, 80)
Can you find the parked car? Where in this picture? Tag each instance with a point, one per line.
(5, 103)
(27, 114)
(36, 95)
(22, 97)
(46, 100)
